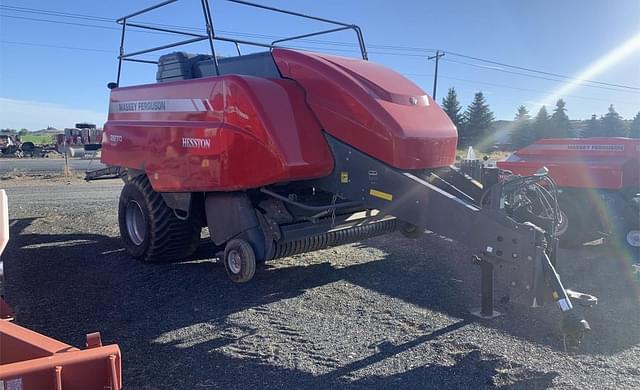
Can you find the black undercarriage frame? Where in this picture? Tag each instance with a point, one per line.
(448, 203)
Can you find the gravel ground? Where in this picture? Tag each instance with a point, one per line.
(28, 166)
(387, 312)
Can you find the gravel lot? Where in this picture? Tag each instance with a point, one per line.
(18, 166)
(385, 313)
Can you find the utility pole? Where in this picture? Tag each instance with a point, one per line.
(435, 76)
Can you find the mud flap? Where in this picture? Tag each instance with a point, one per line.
(231, 215)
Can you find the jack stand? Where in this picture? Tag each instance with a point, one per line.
(486, 310)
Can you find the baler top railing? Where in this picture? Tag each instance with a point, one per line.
(344, 26)
(211, 36)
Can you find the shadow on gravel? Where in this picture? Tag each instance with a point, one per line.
(451, 284)
(470, 371)
(66, 285)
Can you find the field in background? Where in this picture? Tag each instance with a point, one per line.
(37, 139)
(497, 155)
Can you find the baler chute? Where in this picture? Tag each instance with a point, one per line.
(284, 152)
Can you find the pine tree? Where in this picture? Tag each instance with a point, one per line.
(451, 106)
(522, 133)
(541, 125)
(593, 128)
(634, 131)
(477, 121)
(559, 122)
(612, 125)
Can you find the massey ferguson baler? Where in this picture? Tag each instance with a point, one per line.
(599, 185)
(283, 152)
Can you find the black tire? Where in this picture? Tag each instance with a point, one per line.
(158, 234)
(628, 237)
(576, 229)
(411, 231)
(239, 261)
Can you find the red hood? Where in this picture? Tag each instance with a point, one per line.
(372, 108)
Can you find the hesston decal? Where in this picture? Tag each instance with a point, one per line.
(196, 143)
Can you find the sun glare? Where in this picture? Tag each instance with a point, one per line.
(595, 69)
(609, 60)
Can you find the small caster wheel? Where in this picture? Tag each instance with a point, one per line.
(239, 261)
(411, 231)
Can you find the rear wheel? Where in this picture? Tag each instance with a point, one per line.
(572, 230)
(629, 238)
(239, 261)
(410, 231)
(149, 229)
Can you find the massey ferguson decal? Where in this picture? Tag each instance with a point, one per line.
(586, 147)
(115, 138)
(196, 143)
(166, 105)
(602, 148)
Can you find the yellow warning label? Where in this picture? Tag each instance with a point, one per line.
(380, 194)
(344, 177)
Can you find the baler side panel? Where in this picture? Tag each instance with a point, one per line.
(215, 134)
(373, 108)
(601, 163)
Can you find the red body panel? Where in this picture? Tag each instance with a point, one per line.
(603, 163)
(373, 109)
(215, 134)
(236, 132)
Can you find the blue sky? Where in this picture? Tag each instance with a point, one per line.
(56, 74)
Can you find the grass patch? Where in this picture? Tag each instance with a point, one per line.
(37, 139)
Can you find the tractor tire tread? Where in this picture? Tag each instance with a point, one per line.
(169, 237)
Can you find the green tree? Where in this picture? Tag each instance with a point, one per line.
(23, 131)
(612, 124)
(559, 122)
(541, 125)
(451, 106)
(593, 128)
(477, 121)
(634, 131)
(522, 133)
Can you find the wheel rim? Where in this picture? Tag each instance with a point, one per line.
(234, 261)
(562, 225)
(633, 238)
(136, 225)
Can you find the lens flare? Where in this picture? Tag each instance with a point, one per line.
(598, 67)
(609, 60)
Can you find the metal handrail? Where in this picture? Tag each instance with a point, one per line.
(311, 34)
(144, 11)
(355, 28)
(211, 36)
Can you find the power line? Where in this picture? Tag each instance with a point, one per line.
(199, 30)
(539, 71)
(55, 13)
(115, 52)
(322, 42)
(617, 89)
(478, 82)
(57, 46)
